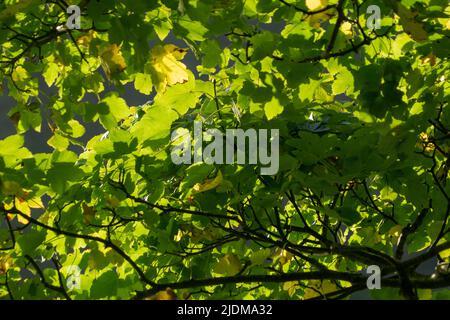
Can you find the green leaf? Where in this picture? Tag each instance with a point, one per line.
(143, 83)
(264, 44)
(343, 82)
(11, 144)
(212, 53)
(51, 73)
(179, 97)
(77, 129)
(155, 124)
(58, 142)
(273, 108)
(349, 215)
(117, 107)
(104, 286)
(61, 174)
(196, 173)
(29, 242)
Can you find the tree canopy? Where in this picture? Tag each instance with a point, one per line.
(362, 110)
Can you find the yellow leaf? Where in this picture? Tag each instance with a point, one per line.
(228, 265)
(23, 207)
(20, 74)
(347, 29)
(290, 287)
(209, 184)
(5, 263)
(167, 294)
(314, 20)
(318, 288)
(425, 144)
(35, 203)
(86, 39)
(284, 256)
(311, 293)
(112, 60)
(165, 67)
(9, 206)
(314, 5)
(395, 233)
(429, 59)
(88, 214)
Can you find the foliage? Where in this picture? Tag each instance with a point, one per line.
(364, 149)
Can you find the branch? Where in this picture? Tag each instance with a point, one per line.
(11, 234)
(328, 55)
(107, 243)
(60, 289)
(295, 276)
(339, 21)
(409, 229)
(60, 278)
(430, 253)
(169, 209)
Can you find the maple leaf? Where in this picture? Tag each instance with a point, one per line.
(316, 288)
(413, 27)
(314, 5)
(229, 265)
(167, 294)
(88, 214)
(209, 184)
(165, 67)
(112, 60)
(314, 20)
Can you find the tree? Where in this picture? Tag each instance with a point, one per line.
(361, 105)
